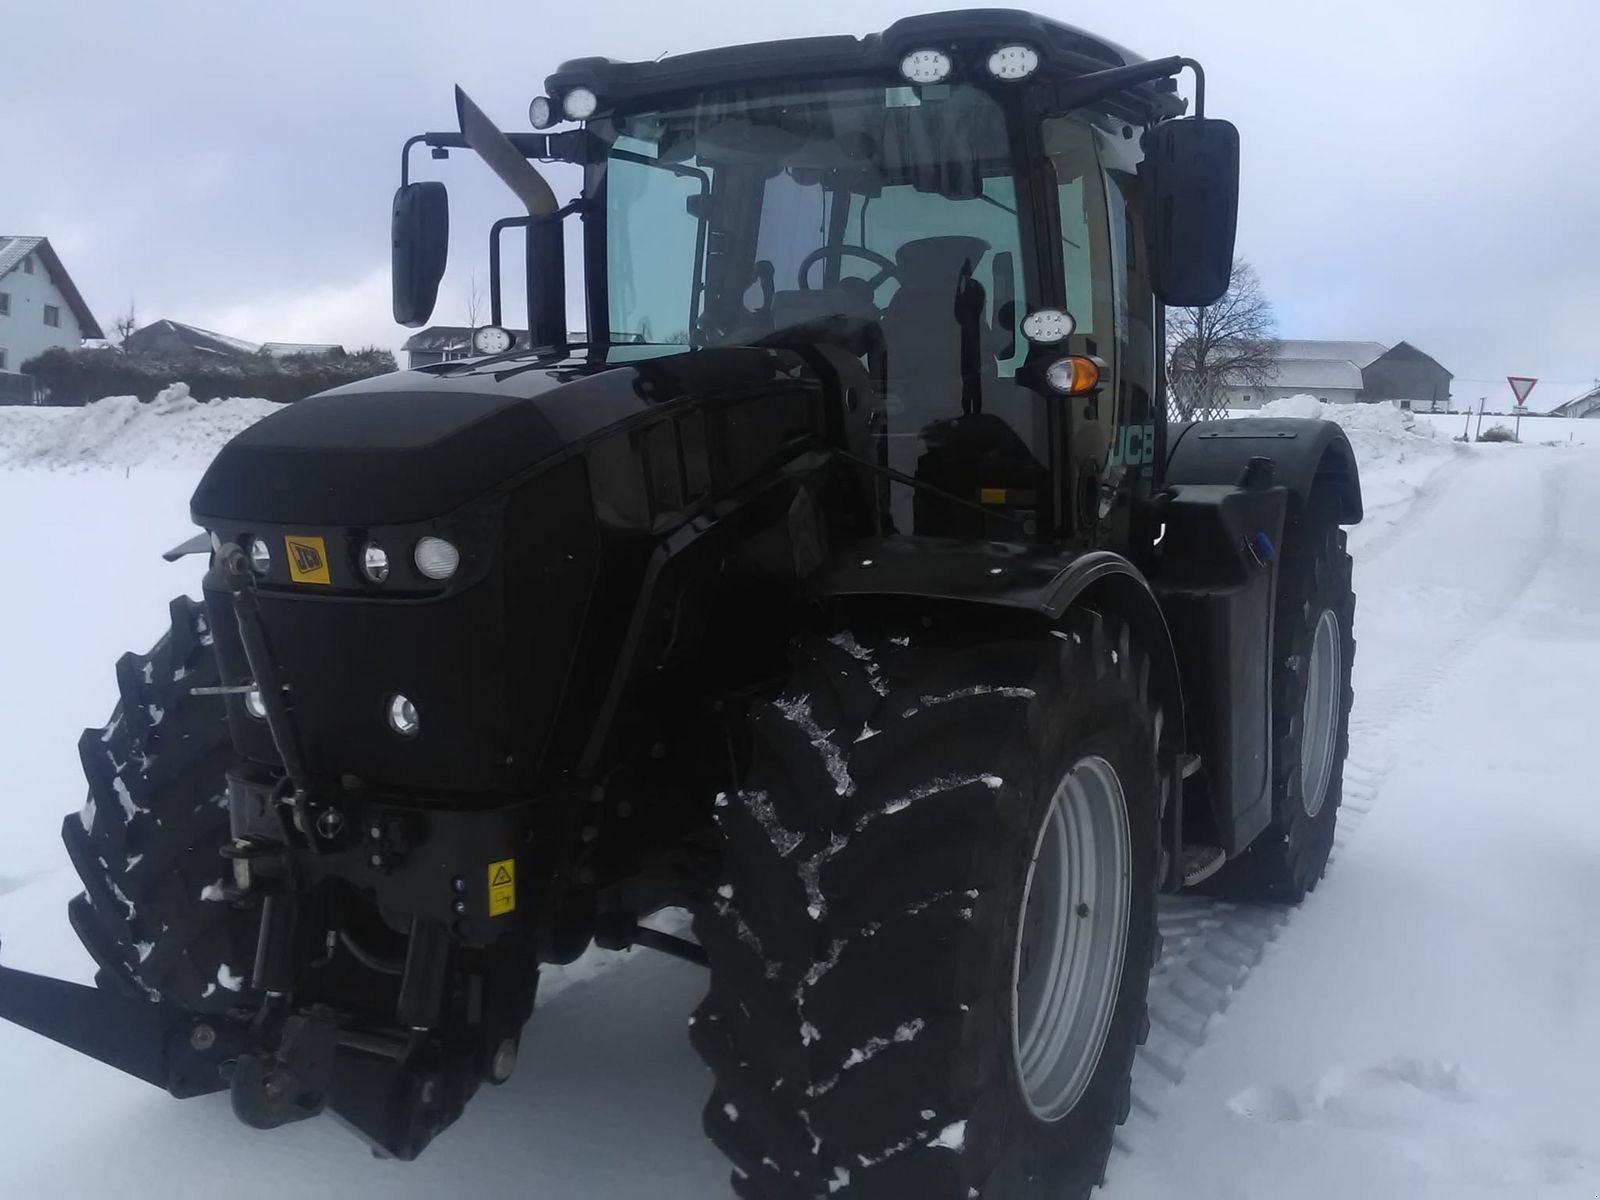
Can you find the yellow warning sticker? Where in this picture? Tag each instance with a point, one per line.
(502, 887)
(991, 495)
(308, 559)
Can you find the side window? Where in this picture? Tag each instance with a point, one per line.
(52, 316)
(5, 304)
(27, 265)
(2, 360)
(650, 227)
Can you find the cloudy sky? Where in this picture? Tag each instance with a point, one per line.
(1426, 171)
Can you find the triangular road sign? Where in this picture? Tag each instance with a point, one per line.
(1521, 385)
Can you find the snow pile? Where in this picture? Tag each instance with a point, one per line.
(173, 430)
(1395, 452)
(1380, 433)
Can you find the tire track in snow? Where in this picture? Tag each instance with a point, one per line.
(1427, 496)
(1211, 946)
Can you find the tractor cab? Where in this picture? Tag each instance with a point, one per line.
(976, 208)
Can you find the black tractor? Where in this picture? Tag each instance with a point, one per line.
(843, 583)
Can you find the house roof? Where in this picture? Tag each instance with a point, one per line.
(1360, 354)
(206, 341)
(1405, 350)
(285, 349)
(15, 247)
(440, 337)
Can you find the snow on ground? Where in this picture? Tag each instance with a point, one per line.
(1536, 431)
(1422, 1027)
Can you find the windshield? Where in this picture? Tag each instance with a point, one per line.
(752, 212)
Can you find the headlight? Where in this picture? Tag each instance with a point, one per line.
(403, 716)
(436, 558)
(925, 66)
(260, 556)
(1013, 62)
(375, 562)
(579, 104)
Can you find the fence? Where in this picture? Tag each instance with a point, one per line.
(16, 388)
(1185, 407)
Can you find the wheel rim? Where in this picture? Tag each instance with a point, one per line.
(1319, 723)
(1071, 939)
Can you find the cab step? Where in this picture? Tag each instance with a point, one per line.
(1200, 863)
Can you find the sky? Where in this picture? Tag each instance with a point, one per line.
(1411, 170)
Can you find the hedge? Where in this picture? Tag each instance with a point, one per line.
(74, 377)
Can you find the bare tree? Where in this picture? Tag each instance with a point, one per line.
(126, 323)
(474, 302)
(1229, 344)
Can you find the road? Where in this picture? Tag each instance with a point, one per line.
(1421, 1027)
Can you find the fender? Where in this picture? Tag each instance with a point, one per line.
(1305, 453)
(1017, 582)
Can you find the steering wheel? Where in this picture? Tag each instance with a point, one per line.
(886, 265)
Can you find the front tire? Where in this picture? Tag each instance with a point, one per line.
(147, 842)
(914, 989)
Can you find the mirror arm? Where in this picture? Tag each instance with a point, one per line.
(494, 261)
(567, 147)
(1075, 93)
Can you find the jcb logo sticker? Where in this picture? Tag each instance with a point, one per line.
(308, 560)
(1135, 446)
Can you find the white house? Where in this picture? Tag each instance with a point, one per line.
(1586, 405)
(40, 306)
(1330, 371)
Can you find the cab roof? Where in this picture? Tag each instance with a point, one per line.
(966, 35)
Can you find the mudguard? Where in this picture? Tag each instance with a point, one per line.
(1043, 584)
(1305, 454)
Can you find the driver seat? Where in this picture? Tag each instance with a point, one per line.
(935, 327)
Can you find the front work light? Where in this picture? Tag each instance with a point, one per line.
(403, 717)
(541, 113)
(579, 104)
(1075, 376)
(491, 339)
(1046, 326)
(926, 66)
(1013, 62)
(436, 558)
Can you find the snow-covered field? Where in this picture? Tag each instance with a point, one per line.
(1422, 1027)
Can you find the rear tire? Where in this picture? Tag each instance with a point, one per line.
(147, 843)
(1314, 654)
(860, 1021)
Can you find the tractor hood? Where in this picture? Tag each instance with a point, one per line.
(419, 444)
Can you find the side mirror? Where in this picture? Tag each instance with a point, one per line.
(1191, 169)
(420, 236)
